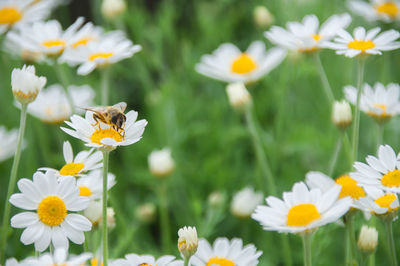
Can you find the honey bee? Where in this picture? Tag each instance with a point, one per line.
(110, 115)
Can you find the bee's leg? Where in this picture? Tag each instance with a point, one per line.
(95, 117)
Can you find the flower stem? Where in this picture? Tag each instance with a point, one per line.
(324, 79)
(186, 262)
(379, 137)
(307, 248)
(11, 184)
(356, 125)
(392, 249)
(106, 155)
(351, 241)
(105, 84)
(164, 218)
(335, 154)
(64, 83)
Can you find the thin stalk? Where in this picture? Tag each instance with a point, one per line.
(105, 86)
(390, 239)
(164, 217)
(351, 241)
(335, 154)
(379, 135)
(61, 75)
(306, 237)
(356, 125)
(106, 155)
(11, 184)
(371, 259)
(186, 262)
(324, 78)
(364, 259)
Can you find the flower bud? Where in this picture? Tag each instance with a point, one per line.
(25, 84)
(245, 201)
(341, 114)
(238, 95)
(112, 9)
(110, 218)
(94, 212)
(187, 241)
(215, 199)
(368, 239)
(146, 212)
(161, 163)
(262, 17)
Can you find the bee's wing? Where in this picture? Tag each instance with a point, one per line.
(121, 106)
(95, 109)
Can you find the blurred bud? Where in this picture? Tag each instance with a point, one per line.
(341, 114)
(368, 239)
(110, 218)
(245, 201)
(215, 199)
(94, 212)
(262, 17)
(146, 212)
(187, 241)
(25, 84)
(161, 163)
(238, 95)
(112, 9)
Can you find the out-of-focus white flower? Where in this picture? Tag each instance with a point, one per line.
(245, 201)
(187, 241)
(91, 185)
(364, 42)
(306, 36)
(161, 163)
(146, 212)
(135, 260)
(94, 212)
(341, 114)
(110, 218)
(368, 239)
(215, 199)
(262, 17)
(8, 143)
(111, 9)
(59, 257)
(25, 84)
(238, 95)
(229, 64)
(384, 10)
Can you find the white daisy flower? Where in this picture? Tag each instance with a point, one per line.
(381, 172)
(187, 241)
(8, 143)
(302, 209)
(245, 201)
(364, 42)
(161, 163)
(229, 64)
(148, 260)
(379, 202)
(16, 13)
(103, 135)
(379, 102)
(225, 252)
(307, 36)
(349, 186)
(111, 48)
(59, 257)
(384, 10)
(48, 220)
(25, 84)
(86, 34)
(92, 185)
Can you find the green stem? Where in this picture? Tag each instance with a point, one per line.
(379, 138)
(106, 155)
(186, 262)
(392, 249)
(324, 79)
(105, 84)
(335, 154)
(351, 241)
(356, 125)
(11, 184)
(164, 218)
(306, 237)
(64, 83)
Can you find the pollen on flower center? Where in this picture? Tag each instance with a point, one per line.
(95, 262)
(93, 57)
(349, 187)
(82, 41)
(302, 214)
(316, 37)
(391, 179)
(144, 264)
(243, 64)
(9, 15)
(53, 43)
(71, 169)
(220, 262)
(388, 8)
(52, 211)
(386, 200)
(84, 191)
(361, 45)
(100, 134)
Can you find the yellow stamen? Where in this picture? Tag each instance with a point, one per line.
(52, 211)
(361, 45)
(349, 187)
(82, 41)
(93, 57)
(386, 200)
(243, 64)
(95, 262)
(84, 191)
(383, 115)
(71, 169)
(391, 179)
(100, 134)
(145, 264)
(53, 43)
(388, 8)
(302, 214)
(9, 15)
(316, 37)
(220, 262)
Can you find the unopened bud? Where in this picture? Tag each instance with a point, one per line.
(25, 84)
(161, 163)
(94, 212)
(112, 9)
(110, 218)
(215, 199)
(262, 17)
(238, 95)
(341, 114)
(146, 212)
(368, 239)
(187, 241)
(245, 201)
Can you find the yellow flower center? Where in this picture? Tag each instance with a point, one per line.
(95, 262)
(388, 8)
(82, 41)
(52, 211)
(243, 64)
(145, 264)
(361, 45)
(220, 262)
(383, 114)
(53, 43)
(93, 57)
(391, 179)
(349, 187)
(316, 37)
(386, 200)
(100, 134)
(84, 191)
(9, 15)
(71, 169)
(302, 214)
